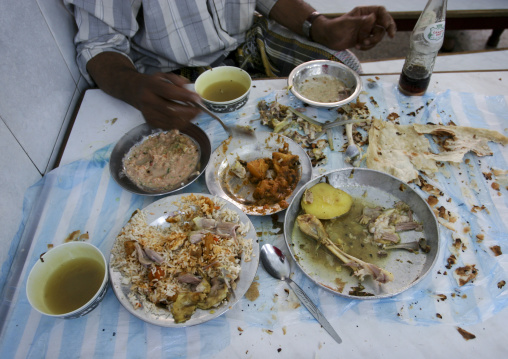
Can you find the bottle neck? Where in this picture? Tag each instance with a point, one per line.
(434, 11)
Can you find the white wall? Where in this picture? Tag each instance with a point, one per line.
(39, 89)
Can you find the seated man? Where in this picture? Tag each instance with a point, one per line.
(128, 47)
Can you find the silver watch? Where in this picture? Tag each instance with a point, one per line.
(307, 24)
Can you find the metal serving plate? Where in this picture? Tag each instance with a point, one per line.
(376, 188)
(222, 183)
(137, 135)
(156, 214)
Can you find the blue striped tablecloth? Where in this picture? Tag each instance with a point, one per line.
(83, 195)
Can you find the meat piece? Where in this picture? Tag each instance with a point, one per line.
(129, 247)
(370, 214)
(189, 278)
(239, 170)
(205, 223)
(185, 305)
(227, 229)
(383, 229)
(217, 294)
(258, 168)
(197, 236)
(408, 226)
(154, 256)
(308, 197)
(141, 255)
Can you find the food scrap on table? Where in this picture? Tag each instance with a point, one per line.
(465, 274)
(77, 236)
(465, 334)
(401, 151)
(291, 123)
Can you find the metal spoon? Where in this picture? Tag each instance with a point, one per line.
(277, 265)
(352, 150)
(232, 131)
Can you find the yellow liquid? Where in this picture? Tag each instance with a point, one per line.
(224, 91)
(73, 284)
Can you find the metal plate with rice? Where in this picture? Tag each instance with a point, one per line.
(156, 214)
(222, 183)
(379, 189)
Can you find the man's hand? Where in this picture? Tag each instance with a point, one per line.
(161, 98)
(164, 104)
(363, 27)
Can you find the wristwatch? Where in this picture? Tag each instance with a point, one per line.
(307, 24)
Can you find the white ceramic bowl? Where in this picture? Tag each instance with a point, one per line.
(219, 74)
(49, 263)
(310, 70)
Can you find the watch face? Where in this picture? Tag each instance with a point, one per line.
(307, 24)
(306, 28)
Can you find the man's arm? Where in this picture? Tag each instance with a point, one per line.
(162, 104)
(102, 57)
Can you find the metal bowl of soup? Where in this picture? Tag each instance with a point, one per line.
(324, 83)
(376, 191)
(224, 89)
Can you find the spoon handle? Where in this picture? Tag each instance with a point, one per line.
(307, 302)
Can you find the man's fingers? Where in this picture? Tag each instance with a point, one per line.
(385, 20)
(377, 34)
(365, 29)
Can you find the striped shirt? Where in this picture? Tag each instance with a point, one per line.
(162, 35)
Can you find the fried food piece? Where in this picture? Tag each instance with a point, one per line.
(258, 168)
(185, 305)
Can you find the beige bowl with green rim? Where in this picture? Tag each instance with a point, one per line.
(231, 82)
(68, 281)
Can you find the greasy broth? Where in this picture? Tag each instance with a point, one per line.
(222, 91)
(73, 284)
(347, 230)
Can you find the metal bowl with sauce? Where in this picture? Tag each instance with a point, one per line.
(136, 136)
(324, 83)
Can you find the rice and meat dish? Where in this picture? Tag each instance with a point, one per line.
(162, 161)
(192, 262)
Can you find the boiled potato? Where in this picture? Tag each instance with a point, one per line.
(325, 201)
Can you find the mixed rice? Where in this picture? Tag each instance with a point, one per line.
(193, 262)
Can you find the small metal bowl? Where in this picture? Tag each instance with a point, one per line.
(140, 133)
(308, 71)
(220, 74)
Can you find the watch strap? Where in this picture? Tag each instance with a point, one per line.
(307, 24)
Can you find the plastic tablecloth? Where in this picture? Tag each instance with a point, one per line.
(83, 196)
